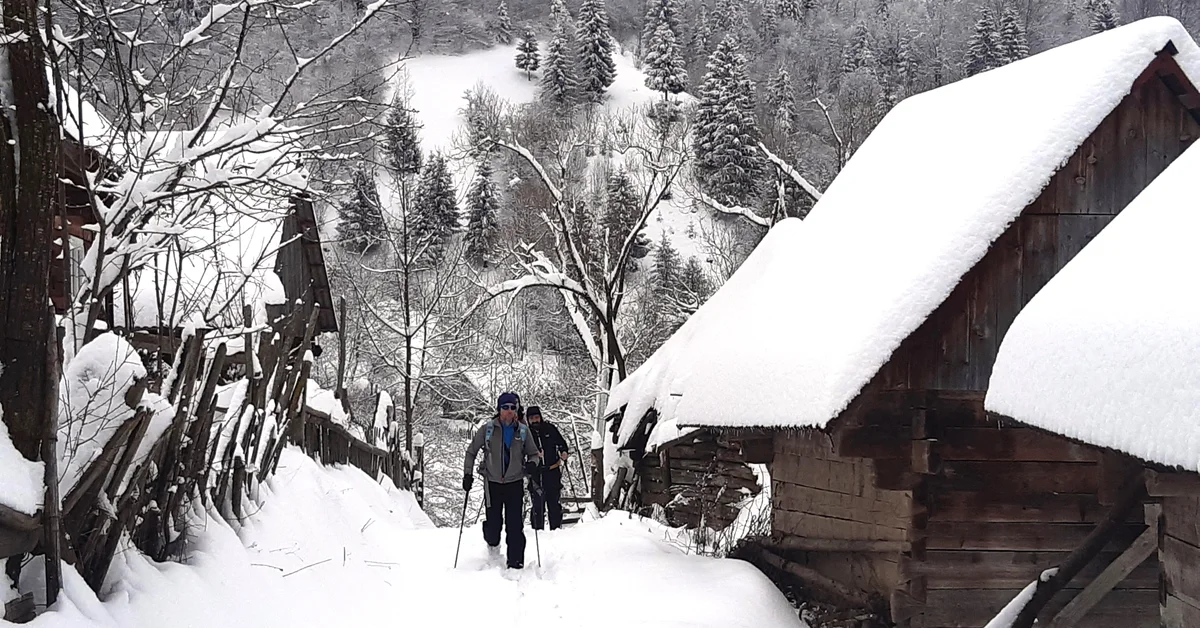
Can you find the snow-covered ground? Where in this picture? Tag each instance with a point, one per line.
(438, 83)
(331, 547)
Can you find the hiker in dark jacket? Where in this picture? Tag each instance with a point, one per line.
(509, 455)
(549, 479)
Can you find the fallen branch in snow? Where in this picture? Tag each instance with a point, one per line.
(791, 172)
(320, 562)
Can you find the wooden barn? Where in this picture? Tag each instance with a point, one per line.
(1107, 355)
(862, 344)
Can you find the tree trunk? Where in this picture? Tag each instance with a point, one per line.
(29, 199)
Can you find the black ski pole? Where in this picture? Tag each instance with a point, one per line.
(461, 522)
(537, 544)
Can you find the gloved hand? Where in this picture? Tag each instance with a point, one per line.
(531, 468)
(468, 481)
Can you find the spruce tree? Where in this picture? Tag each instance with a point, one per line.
(560, 17)
(768, 23)
(781, 97)
(789, 9)
(657, 11)
(983, 52)
(665, 71)
(857, 54)
(559, 84)
(701, 30)
(360, 219)
(726, 133)
(666, 266)
(621, 213)
(1103, 16)
(528, 58)
(808, 6)
(596, 67)
(1013, 44)
(483, 226)
(435, 207)
(503, 24)
(402, 146)
(694, 284)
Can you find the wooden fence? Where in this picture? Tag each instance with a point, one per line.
(331, 443)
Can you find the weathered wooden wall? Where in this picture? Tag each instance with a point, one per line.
(1179, 553)
(702, 480)
(1006, 503)
(954, 349)
(820, 495)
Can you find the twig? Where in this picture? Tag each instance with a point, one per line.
(306, 567)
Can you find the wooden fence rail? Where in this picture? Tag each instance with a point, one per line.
(331, 443)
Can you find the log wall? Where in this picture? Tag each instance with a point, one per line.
(820, 495)
(700, 480)
(1179, 556)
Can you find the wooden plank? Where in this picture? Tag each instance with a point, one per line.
(841, 506)
(1074, 233)
(983, 341)
(997, 478)
(950, 371)
(1172, 484)
(1162, 111)
(1181, 519)
(1181, 569)
(809, 544)
(1017, 444)
(971, 569)
(1117, 571)
(1018, 536)
(837, 476)
(1179, 614)
(1039, 236)
(791, 523)
(1104, 166)
(1135, 608)
(952, 506)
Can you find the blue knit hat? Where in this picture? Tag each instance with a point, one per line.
(508, 397)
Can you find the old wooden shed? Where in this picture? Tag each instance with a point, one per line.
(1107, 355)
(864, 348)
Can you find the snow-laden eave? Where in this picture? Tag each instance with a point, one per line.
(959, 211)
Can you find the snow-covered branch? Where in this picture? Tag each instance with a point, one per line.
(732, 210)
(791, 172)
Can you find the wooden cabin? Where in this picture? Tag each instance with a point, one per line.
(1107, 356)
(865, 352)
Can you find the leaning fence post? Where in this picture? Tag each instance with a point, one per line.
(418, 485)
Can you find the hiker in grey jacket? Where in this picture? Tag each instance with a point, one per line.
(509, 455)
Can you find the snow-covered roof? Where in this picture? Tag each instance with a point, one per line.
(1107, 352)
(919, 204)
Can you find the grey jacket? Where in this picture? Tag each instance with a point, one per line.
(492, 466)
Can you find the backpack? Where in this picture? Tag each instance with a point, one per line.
(487, 438)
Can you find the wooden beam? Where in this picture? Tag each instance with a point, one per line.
(805, 544)
(1159, 484)
(815, 579)
(1117, 571)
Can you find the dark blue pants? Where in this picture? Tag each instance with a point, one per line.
(549, 502)
(507, 509)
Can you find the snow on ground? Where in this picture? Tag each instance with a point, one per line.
(330, 547)
(22, 486)
(1106, 352)
(438, 82)
(916, 207)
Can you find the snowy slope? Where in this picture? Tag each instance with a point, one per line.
(916, 207)
(437, 85)
(1107, 351)
(330, 547)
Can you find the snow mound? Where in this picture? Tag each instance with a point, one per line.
(917, 206)
(21, 489)
(1107, 351)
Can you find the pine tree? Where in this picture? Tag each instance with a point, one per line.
(768, 23)
(435, 207)
(808, 6)
(621, 213)
(360, 219)
(694, 287)
(858, 53)
(883, 8)
(789, 9)
(906, 62)
(781, 97)
(401, 144)
(983, 48)
(1013, 44)
(503, 24)
(701, 30)
(596, 67)
(560, 16)
(665, 71)
(726, 133)
(666, 266)
(657, 11)
(1103, 16)
(483, 226)
(528, 58)
(559, 84)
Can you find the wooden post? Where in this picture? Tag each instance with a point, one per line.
(419, 484)
(598, 477)
(340, 391)
(52, 514)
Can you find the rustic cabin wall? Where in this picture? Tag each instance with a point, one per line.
(956, 346)
(1179, 555)
(819, 495)
(1007, 503)
(704, 478)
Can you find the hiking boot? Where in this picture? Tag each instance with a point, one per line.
(517, 565)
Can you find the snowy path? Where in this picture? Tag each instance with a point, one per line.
(329, 547)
